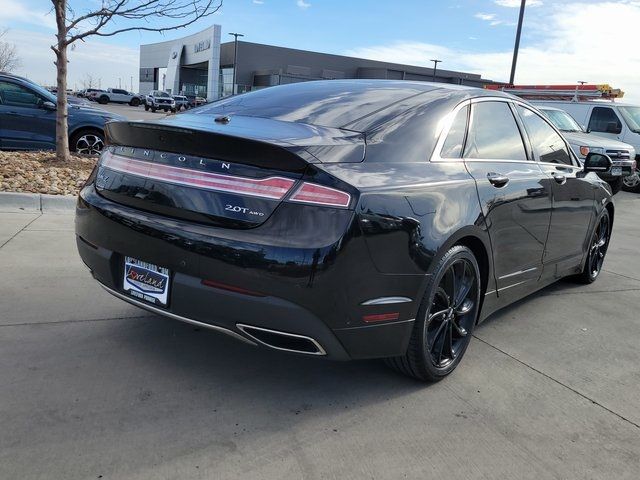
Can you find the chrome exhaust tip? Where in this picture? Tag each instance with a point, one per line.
(287, 342)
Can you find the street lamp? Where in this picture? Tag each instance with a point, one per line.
(435, 65)
(235, 58)
(517, 45)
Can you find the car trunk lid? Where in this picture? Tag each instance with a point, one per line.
(230, 172)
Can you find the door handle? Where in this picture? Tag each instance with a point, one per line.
(559, 178)
(497, 179)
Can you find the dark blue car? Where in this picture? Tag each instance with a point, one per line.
(28, 119)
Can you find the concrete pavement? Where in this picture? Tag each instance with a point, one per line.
(95, 388)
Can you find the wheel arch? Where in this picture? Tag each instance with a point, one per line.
(611, 209)
(477, 240)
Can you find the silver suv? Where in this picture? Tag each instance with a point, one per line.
(583, 143)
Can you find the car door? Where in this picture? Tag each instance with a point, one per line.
(604, 121)
(24, 124)
(514, 194)
(121, 95)
(573, 194)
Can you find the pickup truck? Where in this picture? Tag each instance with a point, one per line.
(117, 95)
(159, 100)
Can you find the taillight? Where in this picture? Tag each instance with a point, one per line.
(320, 195)
(272, 187)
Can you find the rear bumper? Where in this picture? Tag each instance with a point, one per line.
(323, 304)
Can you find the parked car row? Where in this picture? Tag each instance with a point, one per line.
(622, 154)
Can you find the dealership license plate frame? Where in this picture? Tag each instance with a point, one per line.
(146, 281)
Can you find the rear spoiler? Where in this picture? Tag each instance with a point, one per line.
(206, 144)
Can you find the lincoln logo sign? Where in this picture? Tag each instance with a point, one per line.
(202, 45)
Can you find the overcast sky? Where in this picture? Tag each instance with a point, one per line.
(563, 41)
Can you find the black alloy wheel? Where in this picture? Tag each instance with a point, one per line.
(446, 318)
(87, 143)
(597, 249)
(631, 183)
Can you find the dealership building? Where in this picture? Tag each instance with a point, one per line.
(200, 64)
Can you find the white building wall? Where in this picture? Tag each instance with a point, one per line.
(198, 48)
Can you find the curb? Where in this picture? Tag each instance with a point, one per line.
(36, 203)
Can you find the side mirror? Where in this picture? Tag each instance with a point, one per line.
(597, 162)
(48, 106)
(612, 127)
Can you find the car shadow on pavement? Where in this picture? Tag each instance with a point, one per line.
(220, 370)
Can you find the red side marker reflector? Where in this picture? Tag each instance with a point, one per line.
(231, 288)
(320, 195)
(272, 187)
(381, 317)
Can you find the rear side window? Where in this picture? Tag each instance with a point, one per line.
(493, 133)
(604, 119)
(452, 147)
(547, 144)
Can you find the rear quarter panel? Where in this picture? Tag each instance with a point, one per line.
(410, 214)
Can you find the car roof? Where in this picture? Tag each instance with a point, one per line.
(353, 104)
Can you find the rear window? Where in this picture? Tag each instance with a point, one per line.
(330, 104)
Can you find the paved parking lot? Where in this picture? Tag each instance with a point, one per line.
(94, 388)
(132, 113)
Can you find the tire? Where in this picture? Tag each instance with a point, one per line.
(146, 107)
(87, 142)
(445, 324)
(153, 109)
(103, 100)
(631, 183)
(135, 101)
(173, 110)
(616, 185)
(598, 246)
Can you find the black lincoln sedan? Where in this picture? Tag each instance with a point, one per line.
(347, 219)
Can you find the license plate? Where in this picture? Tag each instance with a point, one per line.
(146, 281)
(616, 171)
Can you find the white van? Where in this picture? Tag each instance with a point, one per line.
(618, 121)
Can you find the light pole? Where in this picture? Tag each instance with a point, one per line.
(435, 65)
(235, 58)
(517, 45)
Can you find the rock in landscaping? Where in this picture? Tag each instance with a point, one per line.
(40, 172)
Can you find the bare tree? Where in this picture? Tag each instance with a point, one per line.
(112, 18)
(9, 59)
(88, 81)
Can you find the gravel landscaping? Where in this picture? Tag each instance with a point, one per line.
(40, 172)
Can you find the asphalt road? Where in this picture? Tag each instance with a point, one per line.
(132, 113)
(94, 388)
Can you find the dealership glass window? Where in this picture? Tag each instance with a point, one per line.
(226, 82)
(452, 147)
(18, 96)
(546, 142)
(604, 119)
(493, 133)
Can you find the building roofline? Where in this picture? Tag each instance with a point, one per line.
(401, 66)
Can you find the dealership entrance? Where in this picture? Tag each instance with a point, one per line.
(187, 66)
